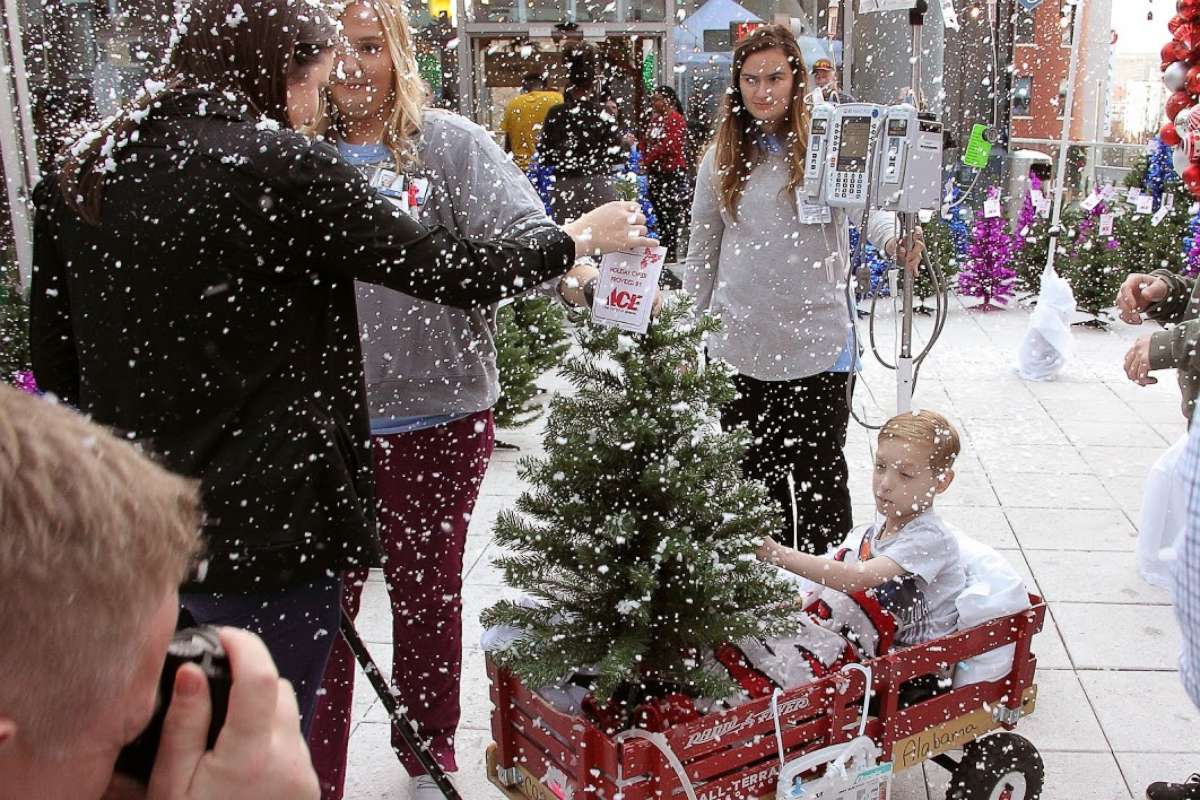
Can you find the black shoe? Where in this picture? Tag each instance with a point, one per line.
(1190, 790)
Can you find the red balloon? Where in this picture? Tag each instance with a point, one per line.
(1175, 51)
(1191, 178)
(1188, 9)
(1175, 22)
(1177, 102)
(1169, 135)
(1183, 33)
(1193, 79)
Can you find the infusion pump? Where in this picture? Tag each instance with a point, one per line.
(892, 154)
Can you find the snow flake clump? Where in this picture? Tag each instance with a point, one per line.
(236, 17)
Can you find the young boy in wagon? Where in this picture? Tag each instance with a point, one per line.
(894, 581)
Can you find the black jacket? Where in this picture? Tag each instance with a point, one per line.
(211, 316)
(580, 139)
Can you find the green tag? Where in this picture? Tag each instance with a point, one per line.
(978, 148)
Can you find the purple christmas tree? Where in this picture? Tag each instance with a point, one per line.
(987, 274)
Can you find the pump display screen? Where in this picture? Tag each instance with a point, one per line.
(855, 141)
(818, 127)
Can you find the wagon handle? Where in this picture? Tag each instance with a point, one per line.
(778, 730)
(866, 671)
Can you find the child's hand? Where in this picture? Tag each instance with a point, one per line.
(770, 551)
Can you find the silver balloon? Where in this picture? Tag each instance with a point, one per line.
(1179, 160)
(1182, 119)
(1176, 76)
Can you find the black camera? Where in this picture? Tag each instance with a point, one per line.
(199, 646)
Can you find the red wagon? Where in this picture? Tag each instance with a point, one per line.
(540, 753)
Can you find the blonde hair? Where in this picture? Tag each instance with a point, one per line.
(737, 153)
(92, 536)
(928, 429)
(403, 124)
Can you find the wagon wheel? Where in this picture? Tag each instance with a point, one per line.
(1003, 766)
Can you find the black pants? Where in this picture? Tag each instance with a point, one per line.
(671, 196)
(799, 428)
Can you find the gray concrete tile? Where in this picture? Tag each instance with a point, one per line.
(1063, 719)
(1082, 577)
(1143, 712)
(989, 433)
(1128, 637)
(987, 525)
(1110, 434)
(1072, 529)
(372, 770)
(1094, 407)
(1132, 462)
(1045, 459)
(1083, 776)
(1143, 769)
(1025, 490)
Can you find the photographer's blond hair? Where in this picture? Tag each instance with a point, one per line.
(928, 429)
(92, 536)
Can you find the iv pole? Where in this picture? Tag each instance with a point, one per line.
(908, 223)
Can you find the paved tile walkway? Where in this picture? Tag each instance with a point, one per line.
(1051, 474)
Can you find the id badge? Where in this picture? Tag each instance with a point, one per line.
(813, 214)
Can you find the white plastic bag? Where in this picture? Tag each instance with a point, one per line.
(994, 589)
(1047, 344)
(1164, 513)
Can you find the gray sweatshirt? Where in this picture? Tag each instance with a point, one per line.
(424, 359)
(766, 275)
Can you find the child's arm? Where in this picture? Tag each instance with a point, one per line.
(843, 577)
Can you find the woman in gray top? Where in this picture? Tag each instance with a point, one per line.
(773, 268)
(431, 379)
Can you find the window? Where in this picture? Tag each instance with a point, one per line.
(717, 40)
(1023, 31)
(1067, 21)
(1022, 93)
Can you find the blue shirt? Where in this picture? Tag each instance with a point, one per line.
(364, 155)
(1187, 570)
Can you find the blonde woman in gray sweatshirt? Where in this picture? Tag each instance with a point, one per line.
(773, 269)
(431, 378)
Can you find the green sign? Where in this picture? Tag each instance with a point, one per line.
(978, 148)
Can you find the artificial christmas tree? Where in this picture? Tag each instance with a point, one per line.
(1091, 266)
(1031, 242)
(986, 274)
(943, 257)
(531, 340)
(15, 364)
(638, 534)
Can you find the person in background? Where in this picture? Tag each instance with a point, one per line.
(580, 142)
(773, 270)
(1169, 299)
(525, 115)
(1186, 592)
(97, 538)
(664, 159)
(431, 379)
(825, 80)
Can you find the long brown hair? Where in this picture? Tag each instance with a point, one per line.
(737, 154)
(247, 48)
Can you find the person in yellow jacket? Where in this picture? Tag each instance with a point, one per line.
(525, 115)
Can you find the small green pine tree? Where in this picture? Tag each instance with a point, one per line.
(1092, 267)
(1144, 246)
(637, 537)
(531, 340)
(942, 257)
(14, 326)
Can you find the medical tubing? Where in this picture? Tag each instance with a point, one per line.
(660, 742)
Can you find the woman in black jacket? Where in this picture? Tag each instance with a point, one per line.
(194, 268)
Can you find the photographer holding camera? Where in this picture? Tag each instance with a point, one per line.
(96, 539)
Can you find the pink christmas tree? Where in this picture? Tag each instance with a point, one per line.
(987, 274)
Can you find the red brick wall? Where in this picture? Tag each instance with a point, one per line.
(1047, 61)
